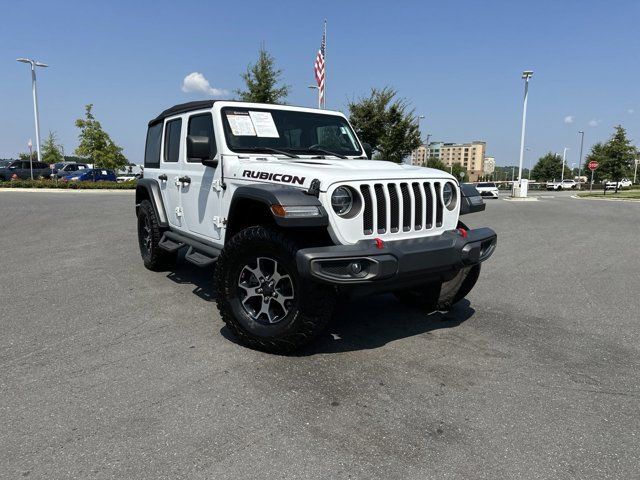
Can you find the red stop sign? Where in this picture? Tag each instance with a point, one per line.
(593, 165)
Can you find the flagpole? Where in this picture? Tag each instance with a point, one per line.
(324, 98)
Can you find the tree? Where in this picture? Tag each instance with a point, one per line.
(549, 167)
(615, 157)
(51, 151)
(261, 80)
(96, 144)
(386, 124)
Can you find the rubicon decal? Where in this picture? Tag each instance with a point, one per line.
(275, 177)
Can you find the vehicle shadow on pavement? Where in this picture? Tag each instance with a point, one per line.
(200, 278)
(361, 324)
(373, 322)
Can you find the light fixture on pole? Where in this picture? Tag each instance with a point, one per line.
(580, 159)
(526, 75)
(317, 88)
(564, 156)
(35, 64)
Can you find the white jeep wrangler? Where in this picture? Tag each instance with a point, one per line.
(286, 203)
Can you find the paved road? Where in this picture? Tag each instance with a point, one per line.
(111, 371)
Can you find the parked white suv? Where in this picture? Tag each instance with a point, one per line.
(287, 204)
(488, 189)
(563, 185)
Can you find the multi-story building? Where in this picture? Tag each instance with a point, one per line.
(469, 155)
(419, 155)
(489, 166)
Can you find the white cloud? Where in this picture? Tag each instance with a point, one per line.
(631, 111)
(197, 83)
(568, 119)
(594, 122)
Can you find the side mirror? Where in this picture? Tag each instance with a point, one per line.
(200, 147)
(367, 150)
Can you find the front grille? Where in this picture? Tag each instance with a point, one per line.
(401, 207)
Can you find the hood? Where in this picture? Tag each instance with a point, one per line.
(303, 170)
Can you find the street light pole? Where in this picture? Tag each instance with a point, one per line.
(34, 91)
(564, 156)
(581, 132)
(526, 75)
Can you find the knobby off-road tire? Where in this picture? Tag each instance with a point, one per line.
(261, 297)
(149, 235)
(441, 295)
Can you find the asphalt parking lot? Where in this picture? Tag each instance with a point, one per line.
(108, 370)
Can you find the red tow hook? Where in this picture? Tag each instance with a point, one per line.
(379, 243)
(462, 232)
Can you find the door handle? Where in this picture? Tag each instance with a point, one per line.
(184, 179)
(162, 177)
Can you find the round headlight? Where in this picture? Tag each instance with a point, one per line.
(342, 200)
(447, 194)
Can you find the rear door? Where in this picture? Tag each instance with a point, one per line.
(170, 165)
(201, 197)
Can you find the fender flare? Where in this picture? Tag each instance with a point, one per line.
(271, 194)
(152, 189)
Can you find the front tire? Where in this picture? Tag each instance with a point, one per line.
(261, 297)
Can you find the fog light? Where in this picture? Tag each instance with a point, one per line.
(356, 268)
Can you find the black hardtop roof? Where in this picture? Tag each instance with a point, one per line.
(197, 105)
(182, 108)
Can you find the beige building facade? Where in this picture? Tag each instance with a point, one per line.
(469, 155)
(489, 166)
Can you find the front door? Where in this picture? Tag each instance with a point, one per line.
(201, 196)
(170, 167)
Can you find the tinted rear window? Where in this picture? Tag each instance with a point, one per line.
(152, 148)
(172, 140)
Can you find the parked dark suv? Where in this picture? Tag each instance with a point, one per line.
(22, 169)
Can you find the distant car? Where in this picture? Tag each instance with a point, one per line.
(63, 169)
(22, 169)
(90, 175)
(128, 178)
(563, 185)
(487, 189)
(624, 183)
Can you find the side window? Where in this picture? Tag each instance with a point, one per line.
(202, 125)
(172, 140)
(152, 149)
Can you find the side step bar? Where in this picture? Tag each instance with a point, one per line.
(198, 253)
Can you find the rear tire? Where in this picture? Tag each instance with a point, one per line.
(149, 235)
(261, 297)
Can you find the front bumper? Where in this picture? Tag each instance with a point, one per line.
(394, 264)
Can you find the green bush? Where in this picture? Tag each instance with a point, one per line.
(68, 185)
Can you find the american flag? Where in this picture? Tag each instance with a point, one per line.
(319, 67)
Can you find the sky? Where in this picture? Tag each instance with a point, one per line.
(458, 63)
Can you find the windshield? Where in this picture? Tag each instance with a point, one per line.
(295, 132)
(487, 185)
(4, 163)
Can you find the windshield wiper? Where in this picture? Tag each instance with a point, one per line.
(270, 150)
(319, 150)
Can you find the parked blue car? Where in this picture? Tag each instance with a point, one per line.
(91, 175)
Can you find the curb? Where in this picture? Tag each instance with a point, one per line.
(67, 190)
(607, 199)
